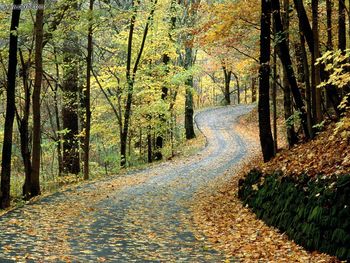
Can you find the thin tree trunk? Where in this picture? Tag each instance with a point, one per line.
(287, 64)
(149, 148)
(160, 138)
(70, 89)
(227, 80)
(266, 139)
(35, 177)
(329, 6)
(305, 28)
(307, 85)
(87, 95)
(253, 90)
(189, 127)
(130, 77)
(10, 110)
(274, 97)
(23, 125)
(341, 25)
(238, 88)
(318, 97)
(292, 137)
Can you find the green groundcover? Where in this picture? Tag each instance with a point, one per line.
(314, 212)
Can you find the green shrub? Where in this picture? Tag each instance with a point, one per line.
(314, 212)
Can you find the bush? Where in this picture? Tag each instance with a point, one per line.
(314, 212)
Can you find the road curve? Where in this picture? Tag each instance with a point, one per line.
(143, 216)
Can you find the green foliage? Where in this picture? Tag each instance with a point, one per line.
(294, 119)
(315, 212)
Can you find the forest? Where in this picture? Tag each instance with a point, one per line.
(100, 96)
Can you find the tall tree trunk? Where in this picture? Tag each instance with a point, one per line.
(316, 55)
(287, 64)
(306, 73)
(342, 35)
(70, 89)
(149, 147)
(130, 77)
(160, 137)
(87, 95)
(35, 177)
(329, 6)
(10, 110)
(227, 80)
(71, 160)
(57, 118)
(238, 88)
(274, 97)
(292, 137)
(266, 139)
(305, 28)
(253, 90)
(23, 125)
(341, 25)
(189, 127)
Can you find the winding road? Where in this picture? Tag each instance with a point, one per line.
(143, 216)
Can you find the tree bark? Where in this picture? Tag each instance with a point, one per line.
(227, 80)
(341, 25)
(238, 88)
(315, 56)
(292, 137)
(305, 28)
(189, 127)
(265, 133)
(329, 6)
(23, 126)
(70, 89)
(287, 64)
(160, 138)
(253, 90)
(87, 95)
(130, 77)
(35, 177)
(10, 110)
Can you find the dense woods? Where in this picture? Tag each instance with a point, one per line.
(93, 88)
(89, 88)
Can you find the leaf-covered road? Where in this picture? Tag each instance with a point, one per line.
(143, 216)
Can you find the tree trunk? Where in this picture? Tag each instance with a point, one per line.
(274, 97)
(287, 64)
(23, 126)
(253, 90)
(189, 127)
(306, 73)
(71, 160)
(238, 88)
(227, 80)
(329, 6)
(130, 77)
(70, 89)
(292, 137)
(316, 55)
(149, 148)
(341, 25)
(305, 28)
(35, 177)
(10, 110)
(87, 95)
(160, 138)
(266, 139)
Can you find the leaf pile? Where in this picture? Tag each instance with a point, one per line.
(326, 154)
(233, 228)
